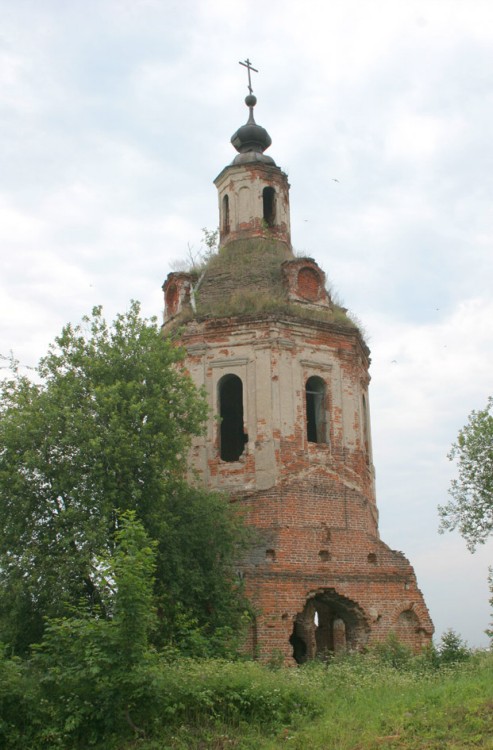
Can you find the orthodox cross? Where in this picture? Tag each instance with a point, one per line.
(248, 65)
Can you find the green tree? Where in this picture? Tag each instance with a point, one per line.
(201, 607)
(489, 631)
(106, 424)
(471, 508)
(452, 648)
(94, 675)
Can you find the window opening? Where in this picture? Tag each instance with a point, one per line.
(232, 433)
(269, 201)
(365, 429)
(226, 214)
(315, 410)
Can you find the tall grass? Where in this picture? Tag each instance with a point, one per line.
(357, 703)
(368, 704)
(385, 699)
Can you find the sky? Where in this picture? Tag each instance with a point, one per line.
(116, 116)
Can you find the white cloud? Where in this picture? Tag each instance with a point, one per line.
(18, 227)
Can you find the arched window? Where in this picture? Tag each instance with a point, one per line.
(269, 204)
(365, 429)
(232, 433)
(225, 214)
(316, 427)
(407, 627)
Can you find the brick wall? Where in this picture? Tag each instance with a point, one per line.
(317, 550)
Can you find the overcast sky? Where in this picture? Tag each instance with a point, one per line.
(115, 117)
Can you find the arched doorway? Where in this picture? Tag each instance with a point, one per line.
(329, 624)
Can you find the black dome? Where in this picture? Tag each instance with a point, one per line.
(251, 140)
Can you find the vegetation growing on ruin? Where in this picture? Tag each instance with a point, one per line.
(251, 303)
(80, 691)
(244, 278)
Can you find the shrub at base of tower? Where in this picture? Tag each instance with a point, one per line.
(202, 610)
(106, 423)
(95, 673)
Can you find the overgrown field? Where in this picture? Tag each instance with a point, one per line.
(385, 699)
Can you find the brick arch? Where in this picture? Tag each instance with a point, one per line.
(329, 623)
(404, 606)
(407, 624)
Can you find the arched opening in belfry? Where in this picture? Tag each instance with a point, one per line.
(366, 439)
(329, 624)
(316, 420)
(232, 432)
(225, 213)
(269, 205)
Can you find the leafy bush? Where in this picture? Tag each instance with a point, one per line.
(393, 653)
(188, 703)
(20, 710)
(233, 692)
(96, 680)
(94, 673)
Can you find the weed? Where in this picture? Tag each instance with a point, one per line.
(385, 698)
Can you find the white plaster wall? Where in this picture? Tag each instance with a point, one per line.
(274, 365)
(244, 189)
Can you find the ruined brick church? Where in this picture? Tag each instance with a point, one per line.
(288, 438)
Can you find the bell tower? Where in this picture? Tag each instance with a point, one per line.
(253, 192)
(286, 374)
